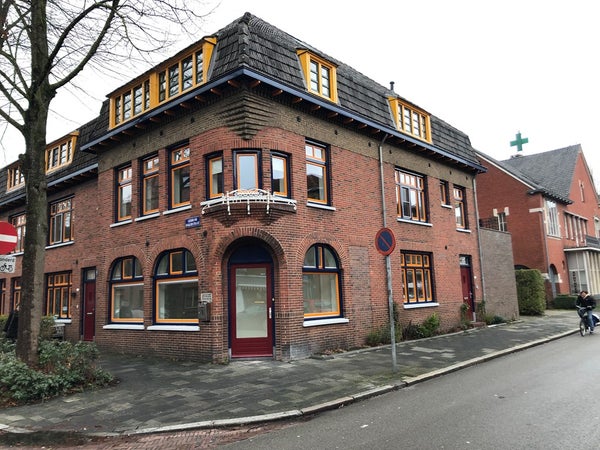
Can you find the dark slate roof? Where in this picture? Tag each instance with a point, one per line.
(252, 42)
(83, 166)
(550, 173)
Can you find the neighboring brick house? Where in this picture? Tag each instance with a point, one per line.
(237, 199)
(549, 204)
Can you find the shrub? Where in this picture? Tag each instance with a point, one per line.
(564, 301)
(63, 367)
(530, 292)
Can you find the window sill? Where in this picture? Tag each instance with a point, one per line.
(114, 326)
(463, 230)
(319, 206)
(420, 305)
(318, 322)
(414, 222)
(447, 206)
(62, 244)
(65, 321)
(176, 210)
(149, 216)
(173, 328)
(118, 224)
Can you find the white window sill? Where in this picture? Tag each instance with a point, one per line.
(118, 224)
(66, 321)
(319, 206)
(414, 222)
(62, 244)
(115, 326)
(318, 322)
(447, 206)
(173, 328)
(420, 305)
(149, 216)
(463, 230)
(176, 210)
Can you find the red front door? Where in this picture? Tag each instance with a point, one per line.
(89, 304)
(467, 286)
(251, 310)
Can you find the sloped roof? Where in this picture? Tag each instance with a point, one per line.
(550, 173)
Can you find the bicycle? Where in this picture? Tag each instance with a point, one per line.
(583, 321)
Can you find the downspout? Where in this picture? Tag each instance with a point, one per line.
(482, 276)
(388, 264)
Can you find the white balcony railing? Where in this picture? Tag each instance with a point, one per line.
(248, 197)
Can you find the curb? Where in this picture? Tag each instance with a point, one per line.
(318, 408)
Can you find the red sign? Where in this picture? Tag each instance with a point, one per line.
(8, 238)
(385, 242)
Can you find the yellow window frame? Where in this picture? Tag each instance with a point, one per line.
(306, 58)
(143, 93)
(419, 123)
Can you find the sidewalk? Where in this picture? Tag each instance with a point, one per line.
(157, 395)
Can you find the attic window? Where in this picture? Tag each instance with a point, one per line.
(320, 75)
(172, 78)
(15, 178)
(411, 120)
(60, 153)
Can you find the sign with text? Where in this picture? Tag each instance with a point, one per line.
(7, 264)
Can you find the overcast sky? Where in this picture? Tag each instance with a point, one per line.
(489, 68)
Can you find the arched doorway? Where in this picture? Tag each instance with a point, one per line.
(251, 316)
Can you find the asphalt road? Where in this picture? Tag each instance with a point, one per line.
(538, 398)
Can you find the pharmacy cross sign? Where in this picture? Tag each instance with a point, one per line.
(519, 141)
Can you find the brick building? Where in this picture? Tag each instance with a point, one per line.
(225, 204)
(549, 204)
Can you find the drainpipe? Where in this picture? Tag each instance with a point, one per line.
(481, 275)
(388, 264)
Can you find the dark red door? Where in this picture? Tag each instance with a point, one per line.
(467, 286)
(251, 310)
(89, 304)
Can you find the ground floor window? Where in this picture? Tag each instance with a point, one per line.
(321, 283)
(176, 288)
(417, 275)
(58, 295)
(127, 291)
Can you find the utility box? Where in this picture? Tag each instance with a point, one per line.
(204, 312)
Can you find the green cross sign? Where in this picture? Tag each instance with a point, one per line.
(519, 141)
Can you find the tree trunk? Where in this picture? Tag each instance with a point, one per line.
(33, 164)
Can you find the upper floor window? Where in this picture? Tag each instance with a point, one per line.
(180, 177)
(124, 191)
(417, 277)
(15, 293)
(321, 283)
(460, 209)
(173, 77)
(247, 168)
(444, 192)
(150, 185)
(552, 227)
(280, 179)
(16, 178)
(58, 295)
(411, 120)
(176, 288)
(126, 290)
(60, 153)
(61, 221)
(320, 75)
(316, 173)
(502, 221)
(215, 178)
(19, 223)
(410, 196)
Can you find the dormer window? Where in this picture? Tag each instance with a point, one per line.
(15, 178)
(320, 75)
(165, 82)
(411, 120)
(60, 153)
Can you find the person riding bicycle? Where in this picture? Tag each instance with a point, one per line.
(586, 303)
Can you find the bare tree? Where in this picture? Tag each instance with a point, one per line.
(44, 45)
